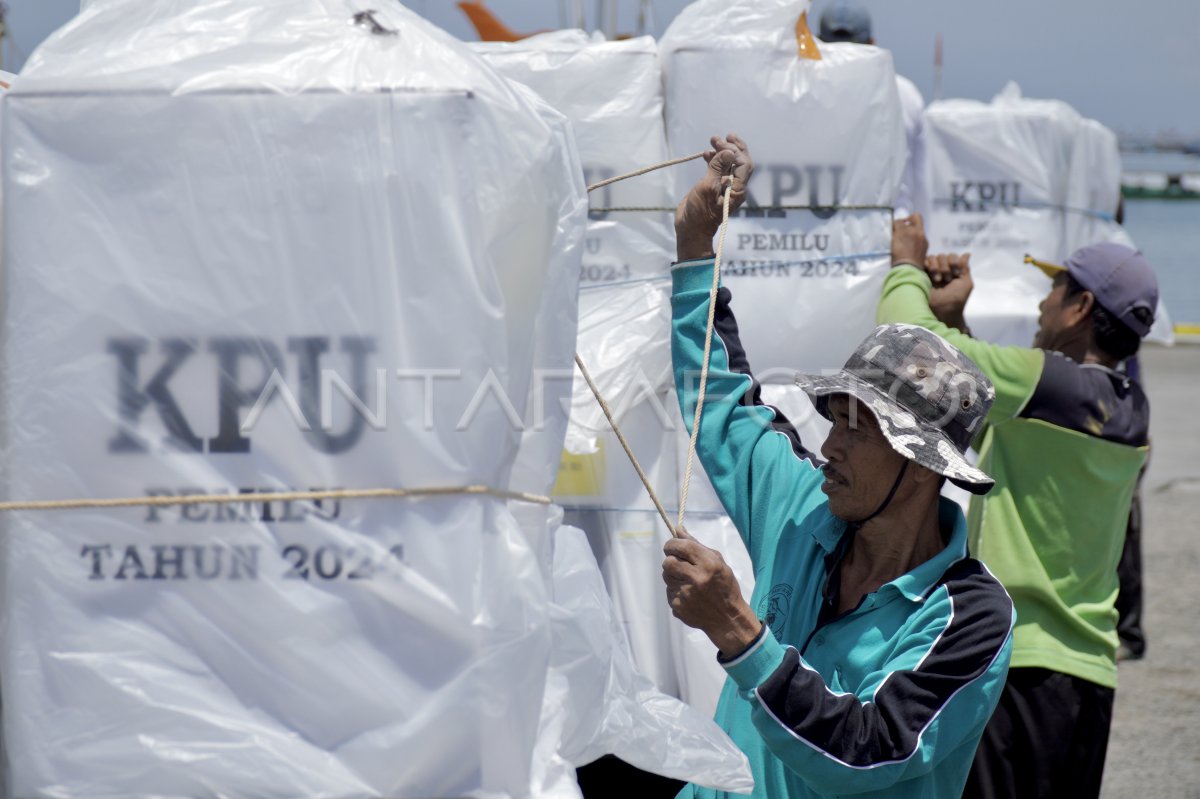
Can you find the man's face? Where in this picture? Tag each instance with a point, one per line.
(1059, 316)
(862, 466)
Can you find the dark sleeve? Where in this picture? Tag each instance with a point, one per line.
(1090, 399)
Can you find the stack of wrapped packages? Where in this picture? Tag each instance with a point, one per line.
(1012, 177)
(303, 245)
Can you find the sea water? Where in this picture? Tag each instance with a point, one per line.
(1168, 233)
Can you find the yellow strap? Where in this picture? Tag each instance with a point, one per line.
(806, 43)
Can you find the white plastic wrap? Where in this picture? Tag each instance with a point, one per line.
(912, 107)
(1093, 186)
(823, 133)
(737, 25)
(639, 724)
(997, 186)
(1011, 177)
(612, 93)
(6, 81)
(604, 497)
(272, 203)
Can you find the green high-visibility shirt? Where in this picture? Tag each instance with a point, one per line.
(1065, 443)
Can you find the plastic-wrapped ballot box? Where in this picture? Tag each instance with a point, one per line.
(808, 251)
(290, 256)
(806, 255)
(1012, 177)
(612, 93)
(997, 176)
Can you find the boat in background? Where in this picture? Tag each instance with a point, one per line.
(1160, 186)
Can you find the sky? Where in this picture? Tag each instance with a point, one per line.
(1133, 66)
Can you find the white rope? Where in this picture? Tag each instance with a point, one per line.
(644, 170)
(708, 334)
(624, 443)
(272, 496)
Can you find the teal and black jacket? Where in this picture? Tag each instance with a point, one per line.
(887, 700)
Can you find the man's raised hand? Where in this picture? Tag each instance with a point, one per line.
(952, 285)
(698, 216)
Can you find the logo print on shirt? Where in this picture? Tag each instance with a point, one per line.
(773, 608)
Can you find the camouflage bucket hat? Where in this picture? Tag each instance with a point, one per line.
(929, 399)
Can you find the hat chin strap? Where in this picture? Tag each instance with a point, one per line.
(888, 499)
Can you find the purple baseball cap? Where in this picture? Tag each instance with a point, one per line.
(1120, 278)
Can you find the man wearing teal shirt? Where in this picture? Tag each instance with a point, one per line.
(874, 648)
(1065, 440)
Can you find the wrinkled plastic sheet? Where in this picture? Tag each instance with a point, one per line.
(824, 134)
(275, 202)
(612, 93)
(637, 722)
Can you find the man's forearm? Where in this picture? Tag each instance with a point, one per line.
(954, 321)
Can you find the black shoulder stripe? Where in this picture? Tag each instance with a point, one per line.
(888, 729)
(726, 329)
(1090, 399)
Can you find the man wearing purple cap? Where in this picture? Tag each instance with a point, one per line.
(1065, 441)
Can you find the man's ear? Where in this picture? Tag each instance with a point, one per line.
(1079, 307)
